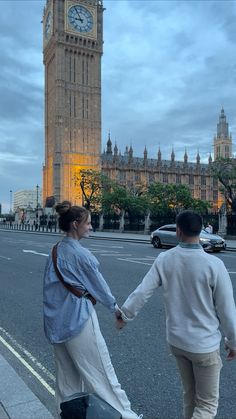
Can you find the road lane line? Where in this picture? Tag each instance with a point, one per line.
(27, 354)
(28, 366)
(4, 257)
(114, 254)
(135, 261)
(34, 252)
(110, 247)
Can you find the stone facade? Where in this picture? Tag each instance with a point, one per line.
(223, 139)
(72, 58)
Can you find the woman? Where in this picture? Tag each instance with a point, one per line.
(70, 322)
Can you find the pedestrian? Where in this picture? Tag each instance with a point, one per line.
(198, 297)
(49, 224)
(209, 228)
(81, 356)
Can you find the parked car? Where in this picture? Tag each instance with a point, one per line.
(166, 235)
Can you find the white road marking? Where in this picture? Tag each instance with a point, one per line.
(150, 264)
(135, 261)
(28, 366)
(35, 253)
(109, 247)
(102, 250)
(115, 254)
(4, 257)
(27, 354)
(111, 253)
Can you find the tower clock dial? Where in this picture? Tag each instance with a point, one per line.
(80, 19)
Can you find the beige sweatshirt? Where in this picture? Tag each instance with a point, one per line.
(198, 297)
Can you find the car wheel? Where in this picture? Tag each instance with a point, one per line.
(156, 242)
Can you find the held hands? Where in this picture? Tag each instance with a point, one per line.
(231, 352)
(119, 321)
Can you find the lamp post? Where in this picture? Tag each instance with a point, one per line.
(37, 202)
(10, 201)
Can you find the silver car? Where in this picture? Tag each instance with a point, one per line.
(166, 236)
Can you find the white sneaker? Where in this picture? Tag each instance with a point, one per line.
(140, 417)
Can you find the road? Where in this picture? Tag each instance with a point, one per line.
(139, 352)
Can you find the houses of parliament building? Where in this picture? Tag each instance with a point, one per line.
(129, 170)
(72, 51)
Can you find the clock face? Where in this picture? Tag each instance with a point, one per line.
(80, 18)
(48, 25)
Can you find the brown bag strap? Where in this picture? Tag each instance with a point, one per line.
(75, 291)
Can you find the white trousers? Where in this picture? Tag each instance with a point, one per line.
(83, 364)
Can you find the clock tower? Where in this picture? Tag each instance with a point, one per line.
(72, 51)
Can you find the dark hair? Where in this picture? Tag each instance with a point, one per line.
(69, 213)
(190, 223)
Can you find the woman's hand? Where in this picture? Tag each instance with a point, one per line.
(119, 321)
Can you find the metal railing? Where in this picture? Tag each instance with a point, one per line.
(29, 227)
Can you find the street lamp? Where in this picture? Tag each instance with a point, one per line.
(10, 201)
(37, 201)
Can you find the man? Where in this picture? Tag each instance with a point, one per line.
(198, 298)
(209, 228)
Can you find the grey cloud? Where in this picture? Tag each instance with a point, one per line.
(23, 175)
(16, 105)
(230, 29)
(18, 20)
(168, 67)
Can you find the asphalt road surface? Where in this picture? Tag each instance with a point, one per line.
(139, 352)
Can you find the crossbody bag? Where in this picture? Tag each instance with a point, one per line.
(79, 293)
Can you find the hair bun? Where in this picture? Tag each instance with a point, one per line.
(63, 207)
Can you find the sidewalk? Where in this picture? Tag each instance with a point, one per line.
(17, 401)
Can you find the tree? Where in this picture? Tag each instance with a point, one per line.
(224, 169)
(91, 183)
(119, 198)
(171, 199)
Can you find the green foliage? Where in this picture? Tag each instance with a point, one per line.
(166, 199)
(200, 206)
(91, 183)
(100, 194)
(119, 198)
(224, 169)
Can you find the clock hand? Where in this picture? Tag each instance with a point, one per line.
(79, 17)
(81, 20)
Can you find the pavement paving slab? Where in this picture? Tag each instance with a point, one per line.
(17, 401)
(3, 413)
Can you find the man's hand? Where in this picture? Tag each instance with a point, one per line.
(231, 355)
(232, 352)
(119, 321)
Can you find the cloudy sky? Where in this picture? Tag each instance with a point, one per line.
(168, 68)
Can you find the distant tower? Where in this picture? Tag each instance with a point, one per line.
(222, 140)
(72, 50)
(109, 145)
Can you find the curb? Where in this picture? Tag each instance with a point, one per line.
(231, 249)
(3, 413)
